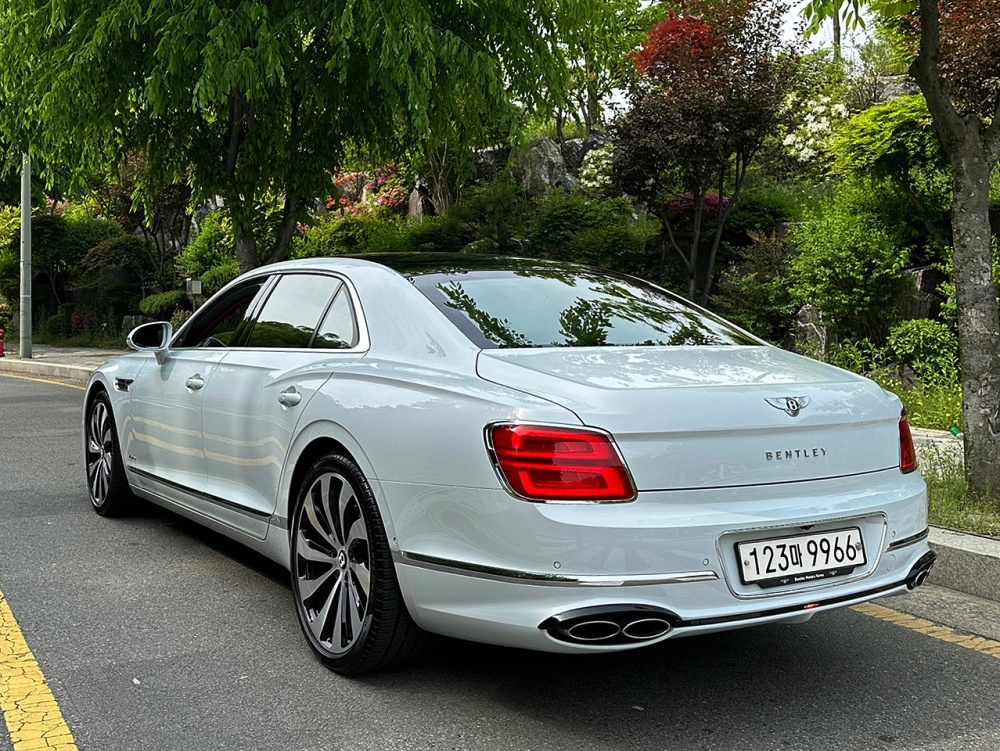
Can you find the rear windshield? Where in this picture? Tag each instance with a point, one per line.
(563, 308)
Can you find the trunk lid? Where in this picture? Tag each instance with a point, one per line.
(705, 417)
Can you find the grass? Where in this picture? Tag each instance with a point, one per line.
(949, 502)
(937, 406)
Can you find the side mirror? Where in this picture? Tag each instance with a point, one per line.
(152, 337)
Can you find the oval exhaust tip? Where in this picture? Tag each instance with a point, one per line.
(646, 628)
(593, 630)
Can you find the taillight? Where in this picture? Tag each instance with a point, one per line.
(907, 454)
(544, 463)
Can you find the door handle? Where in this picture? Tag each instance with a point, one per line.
(289, 397)
(195, 382)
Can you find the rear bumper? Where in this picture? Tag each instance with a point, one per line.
(499, 610)
(479, 565)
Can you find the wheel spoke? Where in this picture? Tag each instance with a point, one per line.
(336, 539)
(306, 549)
(314, 521)
(309, 587)
(355, 609)
(362, 577)
(318, 624)
(344, 499)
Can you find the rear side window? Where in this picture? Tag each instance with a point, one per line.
(570, 308)
(289, 317)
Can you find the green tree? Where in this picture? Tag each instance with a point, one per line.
(713, 81)
(250, 98)
(895, 141)
(957, 66)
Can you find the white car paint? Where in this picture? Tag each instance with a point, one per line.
(714, 462)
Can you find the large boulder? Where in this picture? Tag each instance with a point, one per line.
(920, 298)
(809, 335)
(542, 168)
(893, 87)
(573, 152)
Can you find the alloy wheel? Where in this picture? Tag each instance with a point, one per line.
(100, 452)
(332, 565)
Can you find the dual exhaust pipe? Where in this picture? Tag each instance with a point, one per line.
(918, 574)
(609, 625)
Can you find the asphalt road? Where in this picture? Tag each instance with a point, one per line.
(154, 634)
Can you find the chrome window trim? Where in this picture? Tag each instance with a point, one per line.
(364, 339)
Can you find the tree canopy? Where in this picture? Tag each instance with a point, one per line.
(713, 81)
(252, 99)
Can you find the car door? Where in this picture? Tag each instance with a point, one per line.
(306, 328)
(166, 449)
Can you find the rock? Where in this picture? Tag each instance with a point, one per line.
(573, 152)
(543, 168)
(920, 298)
(809, 335)
(130, 322)
(893, 87)
(489, 162)
(420, 204)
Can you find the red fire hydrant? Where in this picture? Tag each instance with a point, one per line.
(1, 342)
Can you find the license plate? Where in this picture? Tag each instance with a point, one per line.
(800, 559)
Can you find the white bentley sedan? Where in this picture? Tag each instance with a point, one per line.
(517, 452)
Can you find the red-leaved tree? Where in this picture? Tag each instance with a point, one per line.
(713, 78)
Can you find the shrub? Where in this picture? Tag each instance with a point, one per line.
(218, 277)
(754, 291)
(59, 325)
(334, 235)
(179, 318)
(160, 307)
(760, 211)
(929, 347)
(212, 246)
(126, 251)
(560, 217)
(849, 267)
(6, 315)
(620, 247)
(497, 211)
(445, 234)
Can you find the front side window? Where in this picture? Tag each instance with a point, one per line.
(223, 322)
(291, 313)
(570, 308)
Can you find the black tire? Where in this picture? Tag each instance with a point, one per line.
(343, 580)
(107, 485)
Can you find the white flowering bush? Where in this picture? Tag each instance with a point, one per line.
(595, 172)
(819, 120)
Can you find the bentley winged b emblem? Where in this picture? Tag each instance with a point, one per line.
(791, 405)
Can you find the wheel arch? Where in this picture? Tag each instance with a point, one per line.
(315, 441)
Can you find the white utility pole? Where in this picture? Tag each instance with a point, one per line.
(25, 349)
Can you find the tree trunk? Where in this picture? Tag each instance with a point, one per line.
(972, 154)
(838, 55)
(246, 249)
(978, 321)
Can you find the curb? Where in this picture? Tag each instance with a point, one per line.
(966, 563)
(75, 374)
